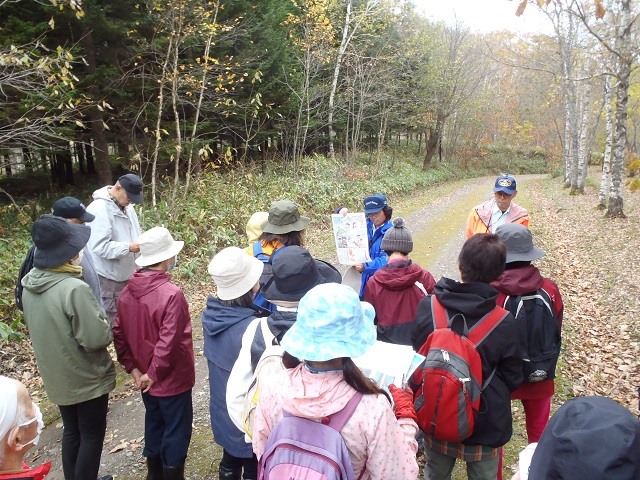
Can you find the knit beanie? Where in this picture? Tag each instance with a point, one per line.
(398, 238)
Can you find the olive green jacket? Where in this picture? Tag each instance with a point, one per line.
(69, 335)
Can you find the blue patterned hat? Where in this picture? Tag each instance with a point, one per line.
(332, 323)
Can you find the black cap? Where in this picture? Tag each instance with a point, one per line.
(132, 184)
(69, 207)
(57, 241)
(295, 272)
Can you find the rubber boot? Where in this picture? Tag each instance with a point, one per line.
(225, 473)
(154, 468)
(173, 473)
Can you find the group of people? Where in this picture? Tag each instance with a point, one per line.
(273, 300)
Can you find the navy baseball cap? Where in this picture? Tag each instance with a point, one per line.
(374, 203)
(70, 207)
(132, 184)
(506, 184)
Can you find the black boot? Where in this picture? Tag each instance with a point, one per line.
(154, 468)
(225, 473)
(173, 473)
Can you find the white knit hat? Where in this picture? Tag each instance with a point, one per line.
(235, 272)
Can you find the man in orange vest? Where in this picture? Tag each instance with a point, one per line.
(501, 209)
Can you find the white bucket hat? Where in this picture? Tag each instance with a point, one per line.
(234, 272)
(157, 245)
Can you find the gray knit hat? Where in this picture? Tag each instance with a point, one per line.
(397, 238)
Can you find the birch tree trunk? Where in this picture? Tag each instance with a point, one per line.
(175, 77)
(606, 162)
(196, 119)
(626, 58)
(583, 149)
(336, 73)
(615, 207)
(158, 129)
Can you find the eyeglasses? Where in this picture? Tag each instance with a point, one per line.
(502, 195)
(371, 215)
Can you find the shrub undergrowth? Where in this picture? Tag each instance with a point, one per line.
(213, 213)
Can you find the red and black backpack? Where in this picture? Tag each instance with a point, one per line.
(450, 378)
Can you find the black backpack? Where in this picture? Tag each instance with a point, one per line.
(540, 338)
(26, 267)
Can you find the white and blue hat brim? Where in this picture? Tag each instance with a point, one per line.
(331, 323)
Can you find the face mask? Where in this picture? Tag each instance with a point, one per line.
(78, 260)
(175, 263)
(37, 418)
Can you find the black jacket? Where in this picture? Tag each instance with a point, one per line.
(500, 350)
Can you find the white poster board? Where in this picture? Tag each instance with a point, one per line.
(386, 363)
(352, 242)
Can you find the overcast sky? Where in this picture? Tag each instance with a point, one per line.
(485, 15)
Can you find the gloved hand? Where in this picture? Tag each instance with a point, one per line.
(404, 403)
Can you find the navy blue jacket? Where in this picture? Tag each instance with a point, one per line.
(223, 328)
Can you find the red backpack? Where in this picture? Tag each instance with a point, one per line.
(451, 374)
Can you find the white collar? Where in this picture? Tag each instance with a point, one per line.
(495, 210)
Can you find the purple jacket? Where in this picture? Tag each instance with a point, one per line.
(152, 332)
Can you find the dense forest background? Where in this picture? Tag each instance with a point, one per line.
(223, 106)
(171, 88)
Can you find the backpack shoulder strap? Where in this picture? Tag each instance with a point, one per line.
(339, 419)
(257, 248)
(438, 314)
(421, 288)
(276, 252)
(486, 325)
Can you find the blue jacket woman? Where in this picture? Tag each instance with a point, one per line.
(224, 322)
(378, 214)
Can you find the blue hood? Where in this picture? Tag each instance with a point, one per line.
(217, 317)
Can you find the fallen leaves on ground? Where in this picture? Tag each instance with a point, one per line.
(594, 261)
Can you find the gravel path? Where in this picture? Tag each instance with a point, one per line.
(437, 226)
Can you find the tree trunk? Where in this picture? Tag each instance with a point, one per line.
(174, 99)
(605, 181)
(583, 149)
(96, 119)
(81, 161)
(91, 166)
(615, 207)
(4, 159)
(194, 164)
(336, 73)
(158, 129)
(67, 162)
(625, 62)
(432, 139)
(60, 174)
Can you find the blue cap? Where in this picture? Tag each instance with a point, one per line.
(374, 203)
(506, 184)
